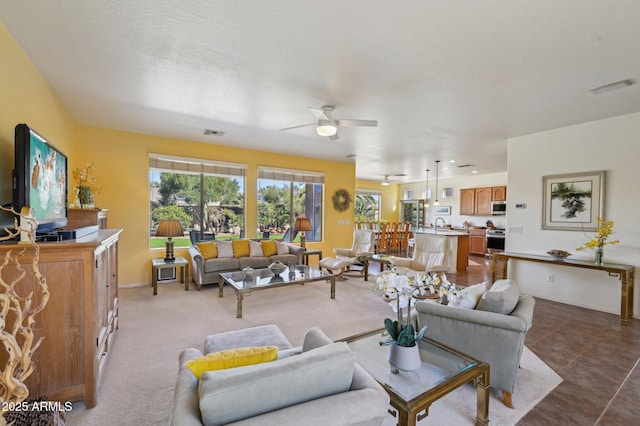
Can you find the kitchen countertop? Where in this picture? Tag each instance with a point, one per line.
(445, 232)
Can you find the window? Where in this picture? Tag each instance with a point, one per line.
(207, 197)
(283, 195)
(367, 207)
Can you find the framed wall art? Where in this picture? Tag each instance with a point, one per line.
(571, 202)
(442, 210)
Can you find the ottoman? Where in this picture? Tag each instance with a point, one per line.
(334, 266)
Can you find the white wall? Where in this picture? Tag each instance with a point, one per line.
(612, 145)
(497, 179)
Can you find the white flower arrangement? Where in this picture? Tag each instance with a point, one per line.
(400, 290)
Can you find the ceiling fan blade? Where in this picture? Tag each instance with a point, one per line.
(334, 137)
(321, 113)
(347, 122)
(296, 127)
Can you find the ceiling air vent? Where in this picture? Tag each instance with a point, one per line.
(211, 132)
(464, 165)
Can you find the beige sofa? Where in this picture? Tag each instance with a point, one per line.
(208, 271)
(318, 383)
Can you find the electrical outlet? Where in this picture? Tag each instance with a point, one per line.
(341, 222)
(550, 278)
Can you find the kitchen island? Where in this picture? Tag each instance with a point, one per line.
(457, 258)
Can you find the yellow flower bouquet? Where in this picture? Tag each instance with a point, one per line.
(86, 185)
(604, 231)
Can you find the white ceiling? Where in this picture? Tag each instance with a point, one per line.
(444, 79)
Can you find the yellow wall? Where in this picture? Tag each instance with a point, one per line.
(122, 171)
(121, 161)
(389, 198)
(25, 97)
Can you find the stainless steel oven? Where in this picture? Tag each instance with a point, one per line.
(495, 240)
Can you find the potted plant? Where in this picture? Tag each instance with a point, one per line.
(399, 289)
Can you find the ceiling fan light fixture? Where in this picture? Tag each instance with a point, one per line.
(385, 181)
(326, 128)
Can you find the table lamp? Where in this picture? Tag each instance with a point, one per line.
(170, 229)
(303, 224)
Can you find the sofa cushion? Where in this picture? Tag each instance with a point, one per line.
(240, 248)
(232, 358)
(282, 248)
(239, 393)
(254, 262)
(501, 298)
(225, 249)
(255, 249)
(472, 295)
(225, 264)
(269, 248)
(208, 250)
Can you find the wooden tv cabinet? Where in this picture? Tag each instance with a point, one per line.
(81, 318)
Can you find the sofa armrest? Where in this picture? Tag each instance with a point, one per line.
(197, 265)
(524, 309)
(400, 261)
(298, 251)
(343, 252)
(186, 402)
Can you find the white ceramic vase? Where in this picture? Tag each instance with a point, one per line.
(404, 358)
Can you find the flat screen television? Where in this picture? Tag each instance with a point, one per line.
(40, 179)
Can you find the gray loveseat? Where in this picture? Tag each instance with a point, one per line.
(208, 271)
(295, 389)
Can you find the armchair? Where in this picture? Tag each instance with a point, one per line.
(363, 245)
(494, 338)
(429, 254)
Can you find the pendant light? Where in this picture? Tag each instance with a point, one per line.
(426, 192)
(436, 203)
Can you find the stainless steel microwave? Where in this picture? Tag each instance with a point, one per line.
(498, 207)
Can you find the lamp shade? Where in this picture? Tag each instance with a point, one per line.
(169, 228)
(303, 224)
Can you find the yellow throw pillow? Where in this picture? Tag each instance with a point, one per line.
(232, 358)
(240, 248)
(208, 250)
(269, 248)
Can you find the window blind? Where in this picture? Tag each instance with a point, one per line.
(373, 192)
(290, 175)
(195, 165)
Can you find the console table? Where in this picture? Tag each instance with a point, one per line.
(623, 272)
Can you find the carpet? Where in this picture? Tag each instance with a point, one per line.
(137, 385)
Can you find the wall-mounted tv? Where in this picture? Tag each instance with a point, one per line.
(40, 178)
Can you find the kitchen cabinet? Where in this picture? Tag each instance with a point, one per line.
(477, 201)
(499, 193)
(467, 201)
(483, 201)
(477, 241)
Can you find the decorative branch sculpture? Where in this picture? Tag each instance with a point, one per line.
(17, 313)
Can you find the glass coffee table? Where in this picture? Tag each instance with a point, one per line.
(263, 279)
(442, 371)
(383, 259)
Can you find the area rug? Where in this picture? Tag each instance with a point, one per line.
(472, 263)
(534, 381)
(137, 385)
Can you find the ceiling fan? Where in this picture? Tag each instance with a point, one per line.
(328, 126)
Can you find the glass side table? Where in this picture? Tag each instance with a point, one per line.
(160, 263)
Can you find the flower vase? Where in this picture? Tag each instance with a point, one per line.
(404, 358)
(599, 256)
(85, 197)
